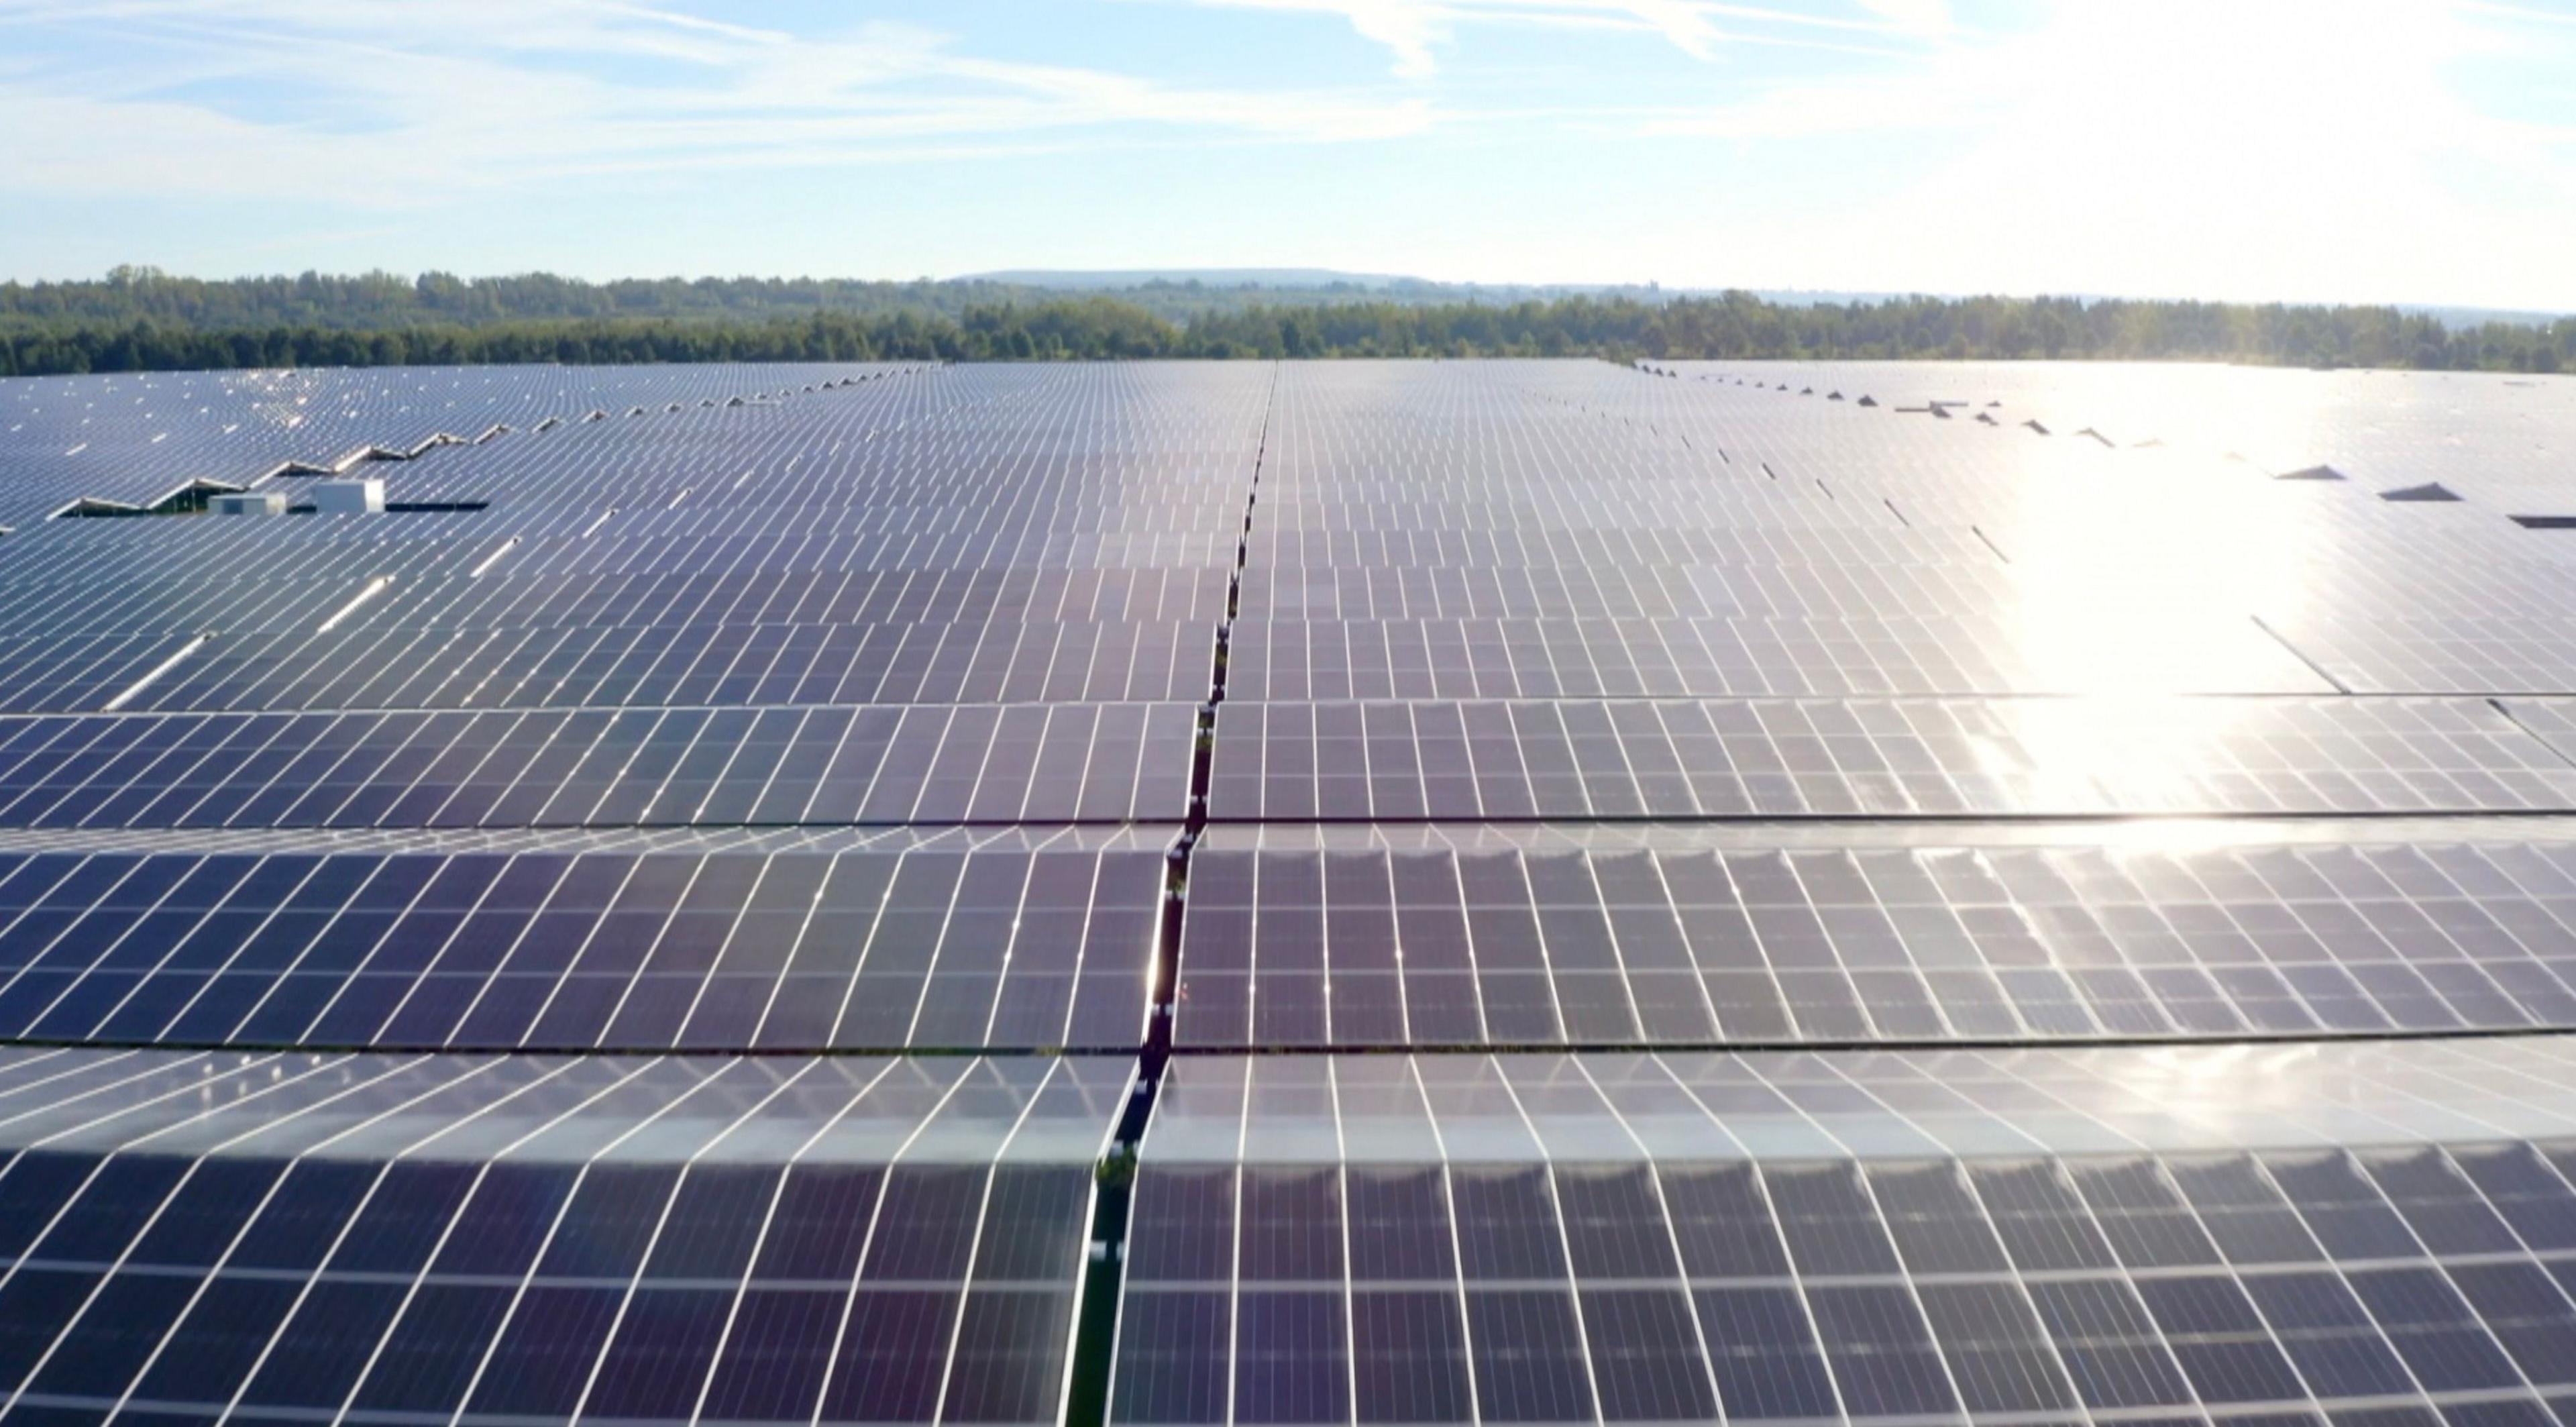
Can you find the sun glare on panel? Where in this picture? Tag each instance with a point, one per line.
(2144, 573)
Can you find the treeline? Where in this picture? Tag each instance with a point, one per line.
(1734, 325)
(369, 302)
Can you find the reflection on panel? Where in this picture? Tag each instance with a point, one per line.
(1324, 660)
(1665, 934)
(1787, 1105)
(1991, 757)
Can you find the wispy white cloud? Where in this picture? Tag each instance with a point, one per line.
(1414, 31)
(380, 101)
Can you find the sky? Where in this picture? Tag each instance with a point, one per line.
(2419, 151)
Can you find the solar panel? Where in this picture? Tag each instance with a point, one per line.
(1542, 1239)
(557, 768)
(1954, 757)
(1583, 935)
(1319, 660)
(886, 1240)
(912, 939)
(718, 665)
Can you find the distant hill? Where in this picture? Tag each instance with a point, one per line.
(2460, 319)
(1089, 280)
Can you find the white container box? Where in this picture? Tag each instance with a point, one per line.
(348, 497)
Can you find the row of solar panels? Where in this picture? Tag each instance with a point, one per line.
(471, 570)
(379, 1239)
(1032, 661)
(301, 661)
(1293, 762)
(924, 764)
(149, 585)
(570, 666)
(149, 589)
(1665, 935)
(263, 638)
(459, 616)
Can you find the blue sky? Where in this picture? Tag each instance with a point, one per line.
(2385, 150)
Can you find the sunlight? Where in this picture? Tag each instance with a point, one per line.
(2223, 155)
(2139, 572)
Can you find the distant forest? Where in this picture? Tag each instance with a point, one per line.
(142, 320)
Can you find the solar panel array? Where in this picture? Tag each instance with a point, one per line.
(1353, 892)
